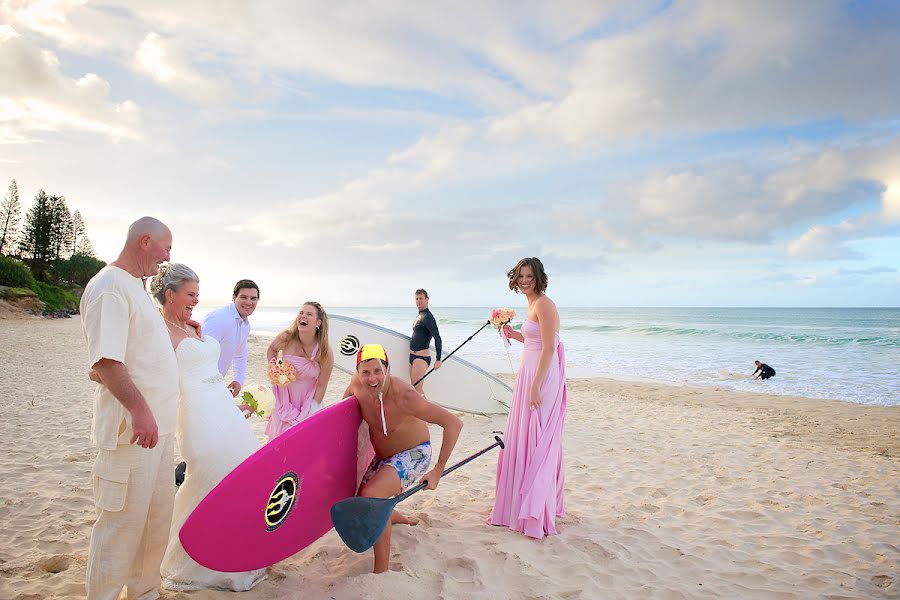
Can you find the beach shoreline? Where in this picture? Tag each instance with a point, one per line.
(841, 354)
(671, 491)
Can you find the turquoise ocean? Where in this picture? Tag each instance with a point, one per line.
(850, 354)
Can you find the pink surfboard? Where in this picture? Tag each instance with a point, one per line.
(277, 502)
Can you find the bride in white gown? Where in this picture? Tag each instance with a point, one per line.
(212, 433)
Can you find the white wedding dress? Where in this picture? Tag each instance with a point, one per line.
(214, 438)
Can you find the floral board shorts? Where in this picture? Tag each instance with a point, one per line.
(410, 464)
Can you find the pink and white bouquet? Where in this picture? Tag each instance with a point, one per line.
(500, 318)
(260, 399)
(281, 372)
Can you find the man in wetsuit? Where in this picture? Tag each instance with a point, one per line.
(424, 328)
(763, 370)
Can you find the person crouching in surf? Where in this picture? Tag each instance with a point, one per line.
(398, 418)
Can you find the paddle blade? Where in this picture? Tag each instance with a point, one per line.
(360, 521)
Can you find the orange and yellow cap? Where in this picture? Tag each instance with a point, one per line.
(370, 351)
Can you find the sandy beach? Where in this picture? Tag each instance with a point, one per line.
(672, 492)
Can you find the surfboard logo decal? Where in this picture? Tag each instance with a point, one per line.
(282, 500)
(350, 345)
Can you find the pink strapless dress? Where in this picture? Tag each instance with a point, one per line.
(530, 473)
(294, 402)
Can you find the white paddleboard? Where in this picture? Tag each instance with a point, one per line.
(458, 384)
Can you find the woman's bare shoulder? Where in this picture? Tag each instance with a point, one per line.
(544, 303)
(277, 342)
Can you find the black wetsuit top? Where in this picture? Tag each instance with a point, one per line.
(765, 371)
(425, 328)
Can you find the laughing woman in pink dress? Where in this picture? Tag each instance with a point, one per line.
(530, 470)
(305, 345)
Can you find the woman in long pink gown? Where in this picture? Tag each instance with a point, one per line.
(530, 473)
(305, 345)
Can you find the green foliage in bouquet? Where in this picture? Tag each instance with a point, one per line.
(252, 402)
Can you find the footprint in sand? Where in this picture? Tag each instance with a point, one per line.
(883, 581)
(592, 549)
(464, 571)
(650, 508)
(741, 515)
(56, 564)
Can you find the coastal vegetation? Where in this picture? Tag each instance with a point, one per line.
(46, 258)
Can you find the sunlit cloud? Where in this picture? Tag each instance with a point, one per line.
(35, 96)
(387, 248)
(164, 62)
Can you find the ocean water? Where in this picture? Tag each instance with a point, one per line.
(848, 354)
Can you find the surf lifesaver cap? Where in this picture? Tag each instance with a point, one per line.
(370, 351)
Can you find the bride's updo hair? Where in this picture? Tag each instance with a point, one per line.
(171, 276)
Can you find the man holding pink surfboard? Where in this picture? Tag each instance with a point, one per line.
(398, 418)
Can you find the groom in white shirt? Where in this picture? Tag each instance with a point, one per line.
(231, 327)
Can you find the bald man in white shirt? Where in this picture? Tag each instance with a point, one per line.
(135, 407)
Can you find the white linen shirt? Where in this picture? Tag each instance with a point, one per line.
(121, 323)
(226, 325)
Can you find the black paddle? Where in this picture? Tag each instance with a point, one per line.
(360, 521)
(452, 353)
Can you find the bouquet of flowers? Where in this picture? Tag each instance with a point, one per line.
(281, 372)
(500, 318)
(260, 399)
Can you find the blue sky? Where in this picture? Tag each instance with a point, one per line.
(651, 153)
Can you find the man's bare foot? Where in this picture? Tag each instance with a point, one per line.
(396, 518)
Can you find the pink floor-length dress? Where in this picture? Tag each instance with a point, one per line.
(294, 402)
(530, 473)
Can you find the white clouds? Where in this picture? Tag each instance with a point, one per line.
(830, 242)
(387, 247)
(342, 215)
(35, 96)
(483, 54)
(536, 71)
(865, 272)
(150, 58)
(702, 67)
(722, 203)
(76, 25)
(446, 139)
(735, 201)
(47, 17)
(215, 162)
(168, 65)
(433, 155)
(615, 241)
(832, 171)
(890, 202)
(367, 45)
(688, 67)
(363, 203)
(822, 243)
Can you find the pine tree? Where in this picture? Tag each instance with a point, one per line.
(9, 218)
(61, 230)
(77, 230)
(36, 237)
(85, 247)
